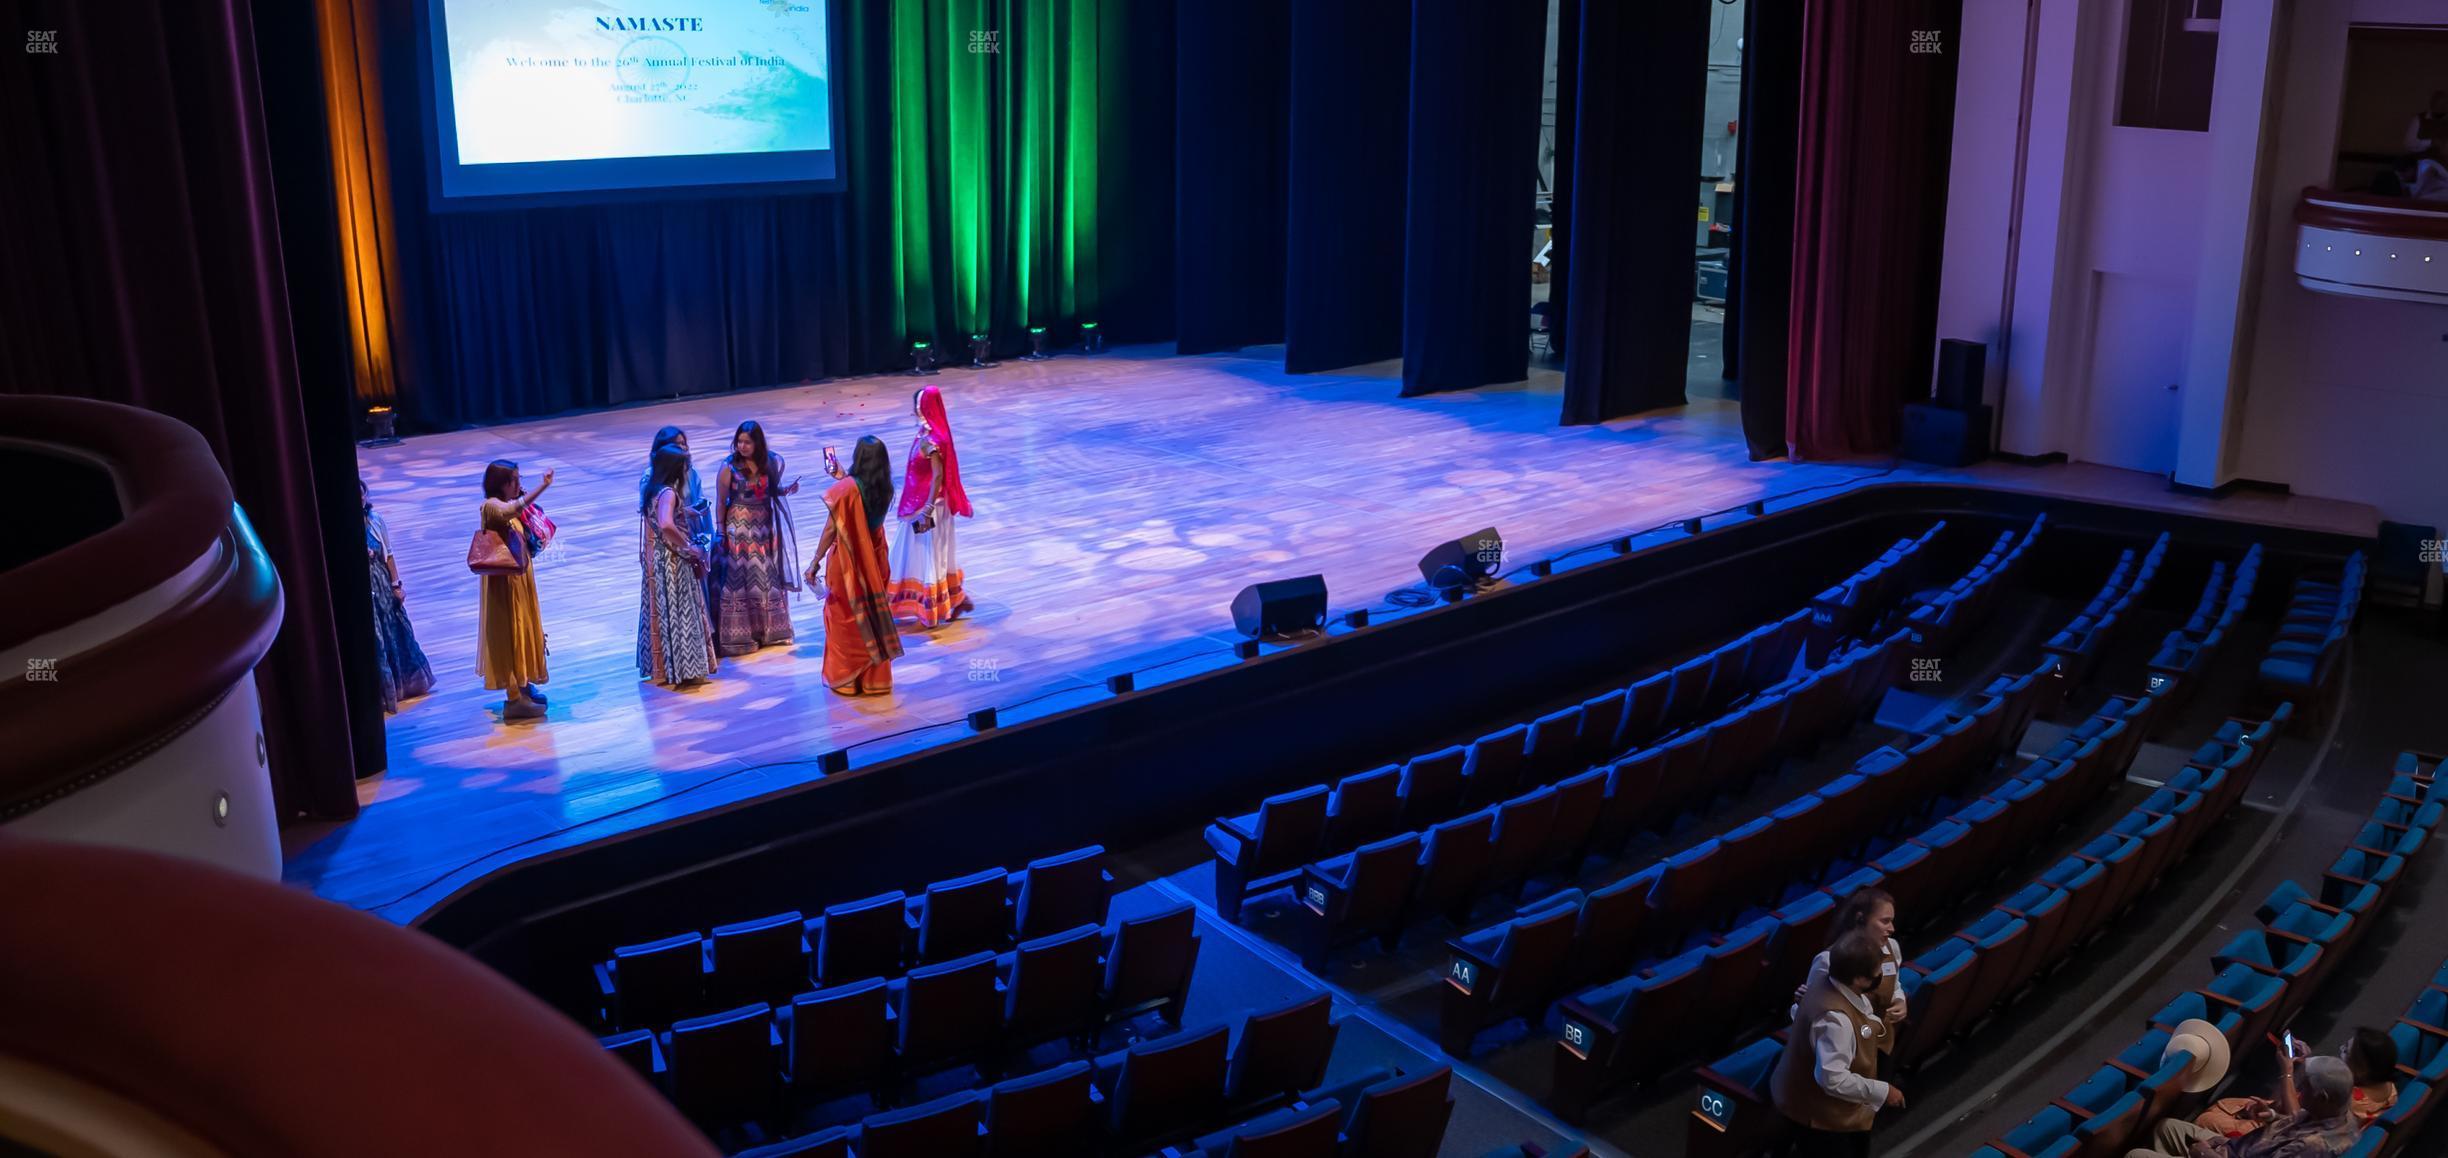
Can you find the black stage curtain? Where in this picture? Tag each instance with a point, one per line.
(1477, 68)
(1756, 321)
(151, 269)
(1135, 182)
(1233, 69)
(1343, 211)
(1559, 205)
(1644, 70)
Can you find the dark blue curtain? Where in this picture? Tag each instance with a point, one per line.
(1559, 204)
(1758, 317)
(1477, 67)
(1233, 72)
(1644, 68)
(1135, 177)
(554, 309)
(1343, 227)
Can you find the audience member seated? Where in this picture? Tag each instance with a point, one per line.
(2370, 1057)
(2325, 1125)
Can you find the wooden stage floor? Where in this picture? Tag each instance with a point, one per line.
(1121, 501)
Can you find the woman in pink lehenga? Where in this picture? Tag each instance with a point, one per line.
(927, 586)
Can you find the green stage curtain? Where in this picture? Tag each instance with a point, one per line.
(984, 184)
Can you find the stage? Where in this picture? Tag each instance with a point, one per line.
(1121, 501)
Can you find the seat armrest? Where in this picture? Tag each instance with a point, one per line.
(1480, 966)
(2283, 935)
(1233, 825)
(2235, 1003)
(1318, 892)
(2080, 1114)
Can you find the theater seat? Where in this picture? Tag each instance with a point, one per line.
(1362, 893)
(1253, 851)
(654, 984)
(1164, 1086)
(1432, 787)
(1453, 861)
(640, 1051)
(1282, 1051)
(723, 1065)
(1051, 987)
(950, 1012)
(837, 1038)
(961, 916)
(1149, 960)
(1504, 969)
(1402, 1116)
(944, 1128)
(760, 960)
(1048, 1114)
(860, 939)
(1366, 806)
(1061, 892)
(1497, 762)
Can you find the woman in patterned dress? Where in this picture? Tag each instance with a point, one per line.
(675, 646)
(928, 590)
(405, 673)
(756, 561)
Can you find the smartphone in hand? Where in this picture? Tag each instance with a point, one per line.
(832, 457)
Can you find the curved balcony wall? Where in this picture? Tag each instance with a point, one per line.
(2372, 247)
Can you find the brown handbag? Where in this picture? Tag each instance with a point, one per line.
(489, 553)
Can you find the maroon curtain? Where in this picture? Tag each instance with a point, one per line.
(1878, 111)
(144, 264)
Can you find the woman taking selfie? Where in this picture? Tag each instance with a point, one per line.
(860, 640)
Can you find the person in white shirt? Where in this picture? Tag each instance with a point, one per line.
(1827, 1080)
(1874, 912)
(2424, 130)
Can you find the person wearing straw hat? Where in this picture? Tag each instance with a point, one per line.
(2323, 1128)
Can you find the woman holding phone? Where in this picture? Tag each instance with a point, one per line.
(509, 622)
(2370, 1058)
(850, 569)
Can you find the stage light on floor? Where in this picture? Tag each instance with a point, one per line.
(1756, 507)
(982, 720)
(1543, 568)
(1691, 526)
(1245, 649)
(981, 353)
(381, 427)
(1478, 555)
(1037, 339)
(1357, 618)
(1121, 684)
(833, 763)
(1622, 546)
(1092, 339)
(922, 358)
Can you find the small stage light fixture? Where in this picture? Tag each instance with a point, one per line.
(382, 427)
(1092, 339)
(922, 358)
(980, 353)
(1037, 339)
(982, 720)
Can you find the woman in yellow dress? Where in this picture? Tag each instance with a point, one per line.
(509, 622)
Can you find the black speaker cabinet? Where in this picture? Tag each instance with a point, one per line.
(1945, 436)
(1281, 606)
(1961, 366)
(1478, 554)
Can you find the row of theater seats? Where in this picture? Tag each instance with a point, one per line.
(2265, 975)
(769, 959)
(2188, 652)
(1853, 608)
(873, 1035)
(1522, 964)
(1720, 985)
(1941, 620)
(2421, 1038)
(1381, 888)
(2305, 655)
(1181, 1093)
(1265, 849)
(2085, 638)
(1973, 970)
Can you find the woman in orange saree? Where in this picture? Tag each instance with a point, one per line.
(860, 639)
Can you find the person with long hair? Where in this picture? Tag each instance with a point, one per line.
(929, 589)
(1873, 912)
(695, 515)
(675, 646)
(405, 672)
(756, 558)
(860, 640)
(509, 622)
